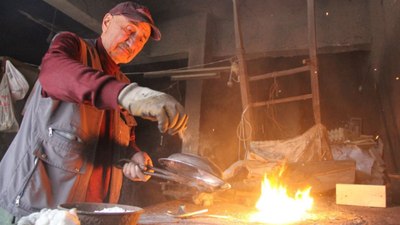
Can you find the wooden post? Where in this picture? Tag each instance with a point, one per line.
(312, 42)
(243, 77)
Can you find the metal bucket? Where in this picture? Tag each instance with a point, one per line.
(88, 216)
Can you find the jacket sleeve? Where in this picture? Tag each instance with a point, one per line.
(64, 77)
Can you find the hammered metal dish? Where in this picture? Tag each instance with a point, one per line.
(207, 173)
(88, 216)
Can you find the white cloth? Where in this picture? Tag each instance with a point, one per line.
(51, 217)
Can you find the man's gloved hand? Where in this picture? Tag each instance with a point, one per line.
(154, 105)
(141, 162)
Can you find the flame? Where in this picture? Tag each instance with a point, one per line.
(276, 207)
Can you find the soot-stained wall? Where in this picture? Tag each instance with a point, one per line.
(346, 91)
(353, 38)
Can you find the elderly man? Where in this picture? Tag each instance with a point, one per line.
(79, 120)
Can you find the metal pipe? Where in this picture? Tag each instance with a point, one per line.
(195, 76)
(282, 100)
(280, 73)
(165, 73)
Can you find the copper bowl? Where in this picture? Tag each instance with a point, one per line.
(89, 214)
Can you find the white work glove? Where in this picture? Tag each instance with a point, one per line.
(51, 217)
(155, 106)
(134, 170)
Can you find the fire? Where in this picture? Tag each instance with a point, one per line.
(275, 206)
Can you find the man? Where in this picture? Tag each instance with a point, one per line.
(79, 120)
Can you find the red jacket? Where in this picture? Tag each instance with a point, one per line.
(65, 78)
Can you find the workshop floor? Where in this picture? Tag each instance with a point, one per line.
(325, 212)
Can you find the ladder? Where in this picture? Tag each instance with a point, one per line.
(311, 66)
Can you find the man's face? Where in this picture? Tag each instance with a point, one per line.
(122, 38)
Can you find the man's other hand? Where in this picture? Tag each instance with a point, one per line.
(141, 161)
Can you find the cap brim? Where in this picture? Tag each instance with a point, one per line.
(155, 32)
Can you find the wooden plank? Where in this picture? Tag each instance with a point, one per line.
(322, 176)
(80, 14)
(361, 195)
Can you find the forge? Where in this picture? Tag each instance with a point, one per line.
(226, 210)
(316, 192)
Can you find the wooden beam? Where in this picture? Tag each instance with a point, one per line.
(76, 13)
(194, 89)
(243, 76)
(361, 195)
(312, 42)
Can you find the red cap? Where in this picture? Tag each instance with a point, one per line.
(137, 13)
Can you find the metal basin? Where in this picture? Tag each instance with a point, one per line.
(207, 175)
(88, 216)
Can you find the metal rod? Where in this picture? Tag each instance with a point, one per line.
(283, 100)
(280, 73)
(186, 71)
(195, 76)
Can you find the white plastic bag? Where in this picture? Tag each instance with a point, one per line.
(16, 81)
(8, 121)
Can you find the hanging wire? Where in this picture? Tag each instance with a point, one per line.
(241, 132)
(234, 74)
(271, 109)
(170, 87)
(173, 86)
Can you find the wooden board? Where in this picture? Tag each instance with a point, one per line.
(322, 176)
(361, 195)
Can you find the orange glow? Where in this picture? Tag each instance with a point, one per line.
(276, 207)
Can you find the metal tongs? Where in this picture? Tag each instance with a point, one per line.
(156, 172)
(186, 169)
